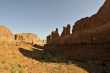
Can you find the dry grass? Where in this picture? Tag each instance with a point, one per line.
(13, 61)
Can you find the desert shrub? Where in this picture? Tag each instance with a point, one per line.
(17, 68)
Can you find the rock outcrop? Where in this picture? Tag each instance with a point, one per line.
(5, 33)
(28, 38)
(90, 38)
(101, 18)
(53, 36)
(6, 36)
(66, 31)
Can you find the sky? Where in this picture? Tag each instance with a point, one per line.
(43, 16)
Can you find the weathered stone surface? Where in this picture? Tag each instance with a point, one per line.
(90, 38)
(27, 37)
(5, 33)
(54, 35)
(48, 38)
(101, 18)
(66, 31)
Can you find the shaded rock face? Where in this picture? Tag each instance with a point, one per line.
(66, 31)
(90, 38)
(5, 33)
(27, 37)
(54, 35)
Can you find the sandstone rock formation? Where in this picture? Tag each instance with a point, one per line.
(101, 18)
(5, 33)
(66, 31)
(54, 35)
(7, 36)
(90, 38)
(48, 38)
(28, 38)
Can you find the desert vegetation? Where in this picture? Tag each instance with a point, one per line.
(85, 49)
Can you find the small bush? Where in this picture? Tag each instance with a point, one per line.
(17, 68)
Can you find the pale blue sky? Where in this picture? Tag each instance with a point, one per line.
(43, 16)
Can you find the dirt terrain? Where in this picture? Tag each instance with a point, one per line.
(23, 59)
(89, 41)
(13, 61)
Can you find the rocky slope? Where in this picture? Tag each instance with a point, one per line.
(5, 33)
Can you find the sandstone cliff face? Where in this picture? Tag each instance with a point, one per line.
(101, 18)
(66, 31)
(92, 42)
(28, 38)
(90, 38)
(5, 33)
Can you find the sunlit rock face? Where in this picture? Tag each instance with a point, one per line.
(5, 33)
(28, 38)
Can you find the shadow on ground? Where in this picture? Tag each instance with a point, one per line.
(41, 55)
(45, 56)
